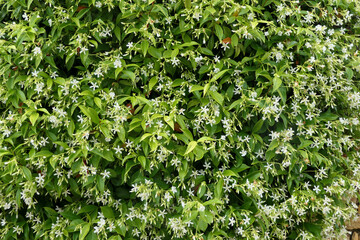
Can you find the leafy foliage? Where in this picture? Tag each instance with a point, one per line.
(173, 119)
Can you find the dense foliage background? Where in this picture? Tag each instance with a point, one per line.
(178, 119)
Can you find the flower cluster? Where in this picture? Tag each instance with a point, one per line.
(179, 119)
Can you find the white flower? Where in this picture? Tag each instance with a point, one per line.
(83, 49)
(118, 149)
(173, 189)
(197, 16)
(316, 189)
(81, 119)
(117, 63)
(312, 59)
(39, 87)
(198, 59)
(280, 46)
(98, 4)
(231, 221)
(175, 61)
(54, 75)
(201, 208)
(246, 220)
(35, 73)
(167, 196)
(98, 72)
(106, 174)
(37, 51)
(130, 44)
(26, 17)
(94, 85)
(225, 46)
(61, 47)
(239, 231)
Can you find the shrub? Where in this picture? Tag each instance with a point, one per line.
(178, 119)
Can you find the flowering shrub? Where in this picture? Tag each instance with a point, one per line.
(173, 119)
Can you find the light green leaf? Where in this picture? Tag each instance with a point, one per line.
(144, 47)
(203, 139)
(84, 231)
(27, 173)
(190, 147)
(33, 117)
(142, 161)
(213, 201)
(217, 97)
(187, 4)
(153, 82)
(218, 75)
(219, 32)
(276, 83)
(129, 74)
(196, 88)
(154, 52)
(97, 102)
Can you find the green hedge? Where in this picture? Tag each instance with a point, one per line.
(206, 119)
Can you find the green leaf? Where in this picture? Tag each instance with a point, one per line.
(202, 225)
(152, 82)
(187, 4)
(105, 131)
(218, 75)
(257, 34)
(315, 229)
(144, 47)
(253, 176)
(241, 168)
(76, 21)
(107, 211)
(219, 188)
(305, 144)
(88, 209)
(94, 116)
(154, 52)
(190, 147)
(169, 121)
(219, 31)
(84, 231)
(213, 201)
(100, 183)
(276, 83)
(258, 126)
(97, 102)
(327, 116)
(21, 95)
(275, 143)
(142, 161)
(196, 88)
(33, 117)
(230, 173)
(234, 40)
(129, 74)
(217, 97)
(29, 3)
(105, 154)
(117, 33)
(206, 51)
(91, 113)
(203, 139)
(27, 173)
